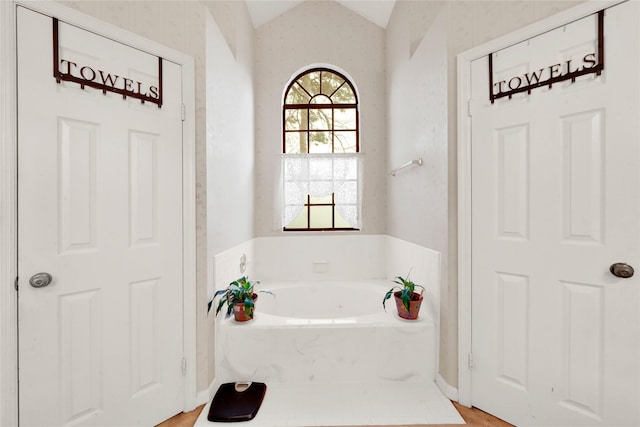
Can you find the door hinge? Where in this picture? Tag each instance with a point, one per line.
(15, 284)
(470, 359)
(183, 112)
(469, 108)
(184, 367)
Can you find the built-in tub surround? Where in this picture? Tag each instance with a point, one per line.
(326, 332)
(327, 350)
(336, 261)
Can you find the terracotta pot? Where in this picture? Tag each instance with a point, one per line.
(414, 306)
(238, 311)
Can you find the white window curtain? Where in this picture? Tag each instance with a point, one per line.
(320, 175)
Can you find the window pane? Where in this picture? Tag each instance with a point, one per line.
(330, 82)
(344, 118)
(295, 119)
(345, 142)
(347, 193)
(320, 142)
(300, 221)
(320, 99)
(296, 95)
(344, 95)
(320, 186)
(321, 200)
(321, 216)
(296, 142)
(340, 221)
(311, 82)
(320, 119)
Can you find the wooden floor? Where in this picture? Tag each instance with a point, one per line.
(472, 416)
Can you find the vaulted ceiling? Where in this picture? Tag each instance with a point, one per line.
(376, 11)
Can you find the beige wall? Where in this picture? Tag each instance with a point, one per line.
(417, 103)
(229, 131)
(413, 29)
(230, 141)
(319, 32)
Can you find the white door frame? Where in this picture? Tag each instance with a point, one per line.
(464, 171)
(8, 192)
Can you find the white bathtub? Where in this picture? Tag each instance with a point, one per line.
(330, 331)
(323, 300)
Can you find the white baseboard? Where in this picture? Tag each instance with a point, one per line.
(449, 391)
(202, 397)
(205, 396)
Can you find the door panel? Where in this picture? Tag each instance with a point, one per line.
(100, 209)
(555, 199)
(582, 176)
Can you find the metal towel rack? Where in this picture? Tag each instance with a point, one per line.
(406, 165)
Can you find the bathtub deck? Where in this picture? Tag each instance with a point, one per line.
(324, 404)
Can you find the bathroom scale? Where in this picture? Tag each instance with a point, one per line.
(236, 402)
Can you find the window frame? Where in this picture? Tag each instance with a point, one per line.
(308, 130)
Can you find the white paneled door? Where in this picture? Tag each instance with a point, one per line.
(555, 199)
(100, 211)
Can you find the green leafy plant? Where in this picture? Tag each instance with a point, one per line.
(238, 291)
(406, 288)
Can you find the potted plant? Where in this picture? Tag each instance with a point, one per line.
(408, 301)
(240, 299)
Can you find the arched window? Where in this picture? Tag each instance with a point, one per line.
(320, 146)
